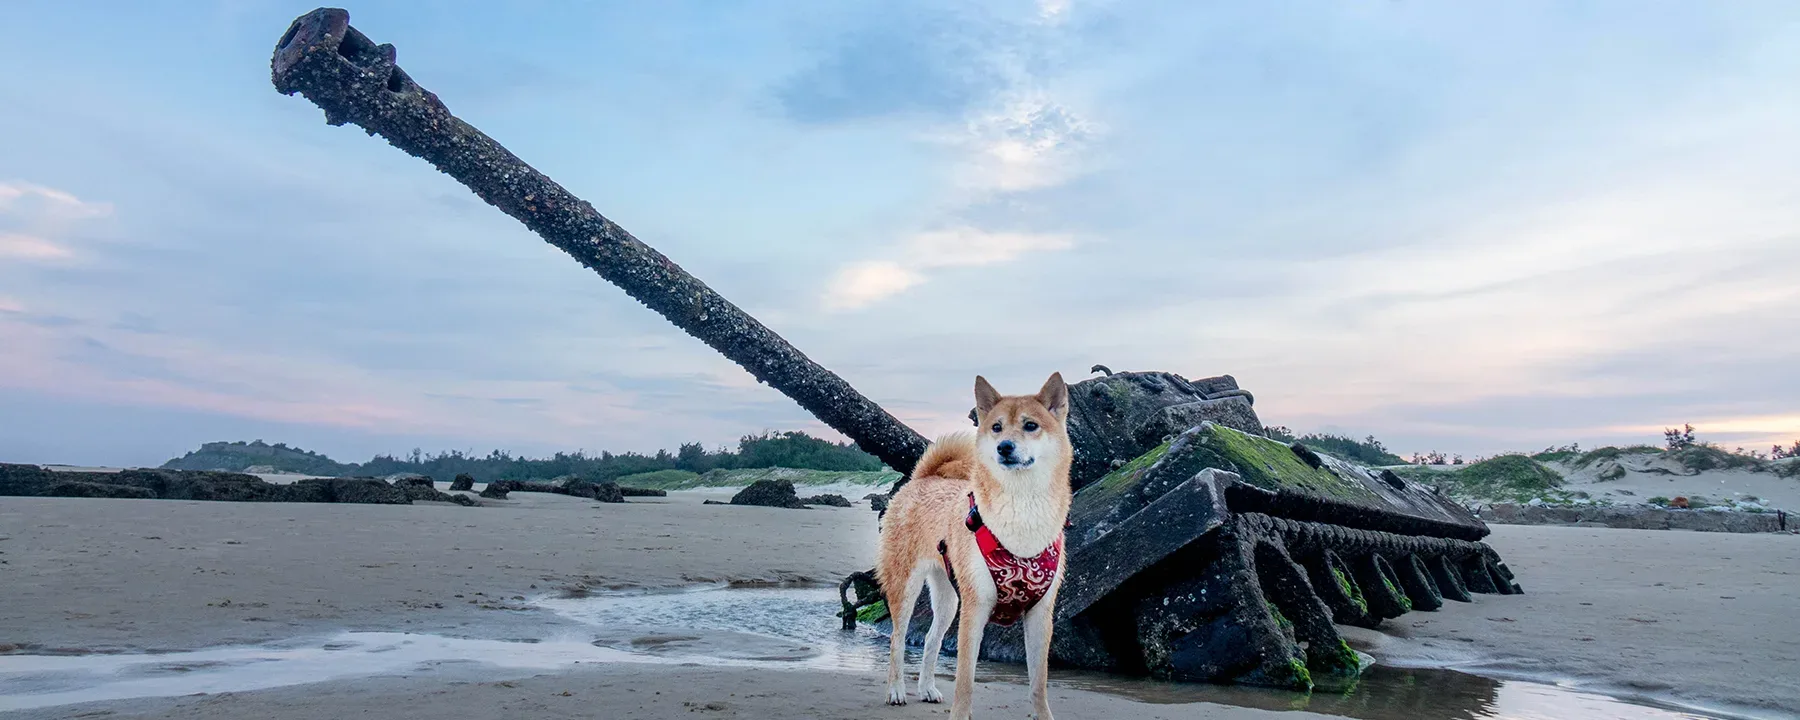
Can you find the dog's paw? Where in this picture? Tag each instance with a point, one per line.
(896, 695)
(930, 694)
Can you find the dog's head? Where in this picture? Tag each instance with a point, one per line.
(1022, 432)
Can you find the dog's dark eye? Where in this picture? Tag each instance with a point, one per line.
(996, 427)
(1030, 426)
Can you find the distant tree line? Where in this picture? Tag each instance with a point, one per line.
(792, 449)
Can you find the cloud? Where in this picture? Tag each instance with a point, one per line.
(25, 247)
(31, 215)
(47, 203)
(860, 284)
(1025, 141)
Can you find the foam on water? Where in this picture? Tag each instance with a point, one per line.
(744, 627)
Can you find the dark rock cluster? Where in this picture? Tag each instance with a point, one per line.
(32, 480)
(827, 499)
(570, 485)
(769, 493)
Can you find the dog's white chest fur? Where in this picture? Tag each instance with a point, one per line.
(1023, 518)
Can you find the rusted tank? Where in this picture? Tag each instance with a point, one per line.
(1217, 554)
(1200, 550)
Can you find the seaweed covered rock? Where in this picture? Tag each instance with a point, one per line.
(572, 486)
(1118, 417)
(76, 488)
(403, 480)
(203, 485)
(608, 492)
(827, 499)
(427, 492)
(194, 485)
(345, 490)
(25, 480)
(464, 482)
(769, 493)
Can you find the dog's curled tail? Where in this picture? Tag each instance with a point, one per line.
(950, 456)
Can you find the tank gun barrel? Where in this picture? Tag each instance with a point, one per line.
(356, 81)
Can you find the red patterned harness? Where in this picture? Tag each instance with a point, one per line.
(1019, 583)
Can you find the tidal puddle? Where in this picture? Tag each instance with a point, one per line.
(752, 627)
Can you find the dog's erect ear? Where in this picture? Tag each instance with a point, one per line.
(985, 395)
(1055, 396)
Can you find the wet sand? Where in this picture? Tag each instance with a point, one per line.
(98, 575)
(1704, 618)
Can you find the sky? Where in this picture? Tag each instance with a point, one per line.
(1460, 227)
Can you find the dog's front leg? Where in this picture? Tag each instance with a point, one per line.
(1039, 622)
(969, 626)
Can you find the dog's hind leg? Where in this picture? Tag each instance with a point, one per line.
(943, 609)
(900, 599)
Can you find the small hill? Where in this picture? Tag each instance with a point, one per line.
(1507, 478)
(1639, 475)
(241, 456)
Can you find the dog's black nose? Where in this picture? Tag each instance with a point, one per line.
(1006, 448)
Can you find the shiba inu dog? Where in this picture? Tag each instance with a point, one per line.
(981, 522)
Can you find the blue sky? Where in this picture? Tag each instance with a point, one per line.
(1465, 227)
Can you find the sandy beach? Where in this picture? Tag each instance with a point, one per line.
(1693, 618)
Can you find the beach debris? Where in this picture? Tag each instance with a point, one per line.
(1200, 550)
